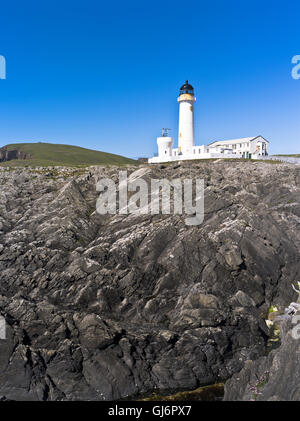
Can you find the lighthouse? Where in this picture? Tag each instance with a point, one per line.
(186, 101)
(248, 147)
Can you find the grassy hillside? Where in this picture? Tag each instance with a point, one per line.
(290, 156)
(49, 154)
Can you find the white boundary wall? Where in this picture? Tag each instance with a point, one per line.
(158, 159)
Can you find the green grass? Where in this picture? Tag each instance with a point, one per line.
(272, 309)
(268, 161)
(50, 154)
(290, 156)
(204, 393)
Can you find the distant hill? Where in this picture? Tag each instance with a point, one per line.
(297, 155)
(49, 154)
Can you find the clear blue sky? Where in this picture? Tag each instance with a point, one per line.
(105, 74)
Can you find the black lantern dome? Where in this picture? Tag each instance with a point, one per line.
(186, 88)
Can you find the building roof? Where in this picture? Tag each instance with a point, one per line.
(186, 86)
(234, 141)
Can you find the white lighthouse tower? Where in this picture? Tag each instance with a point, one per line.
(186, 101)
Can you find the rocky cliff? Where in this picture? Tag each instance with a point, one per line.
(104, 307)
(275, 377)
(8, 155)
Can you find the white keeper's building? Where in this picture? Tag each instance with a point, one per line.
(249, 147)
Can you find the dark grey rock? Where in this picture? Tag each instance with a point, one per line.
(103, 307)
(276, 376)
